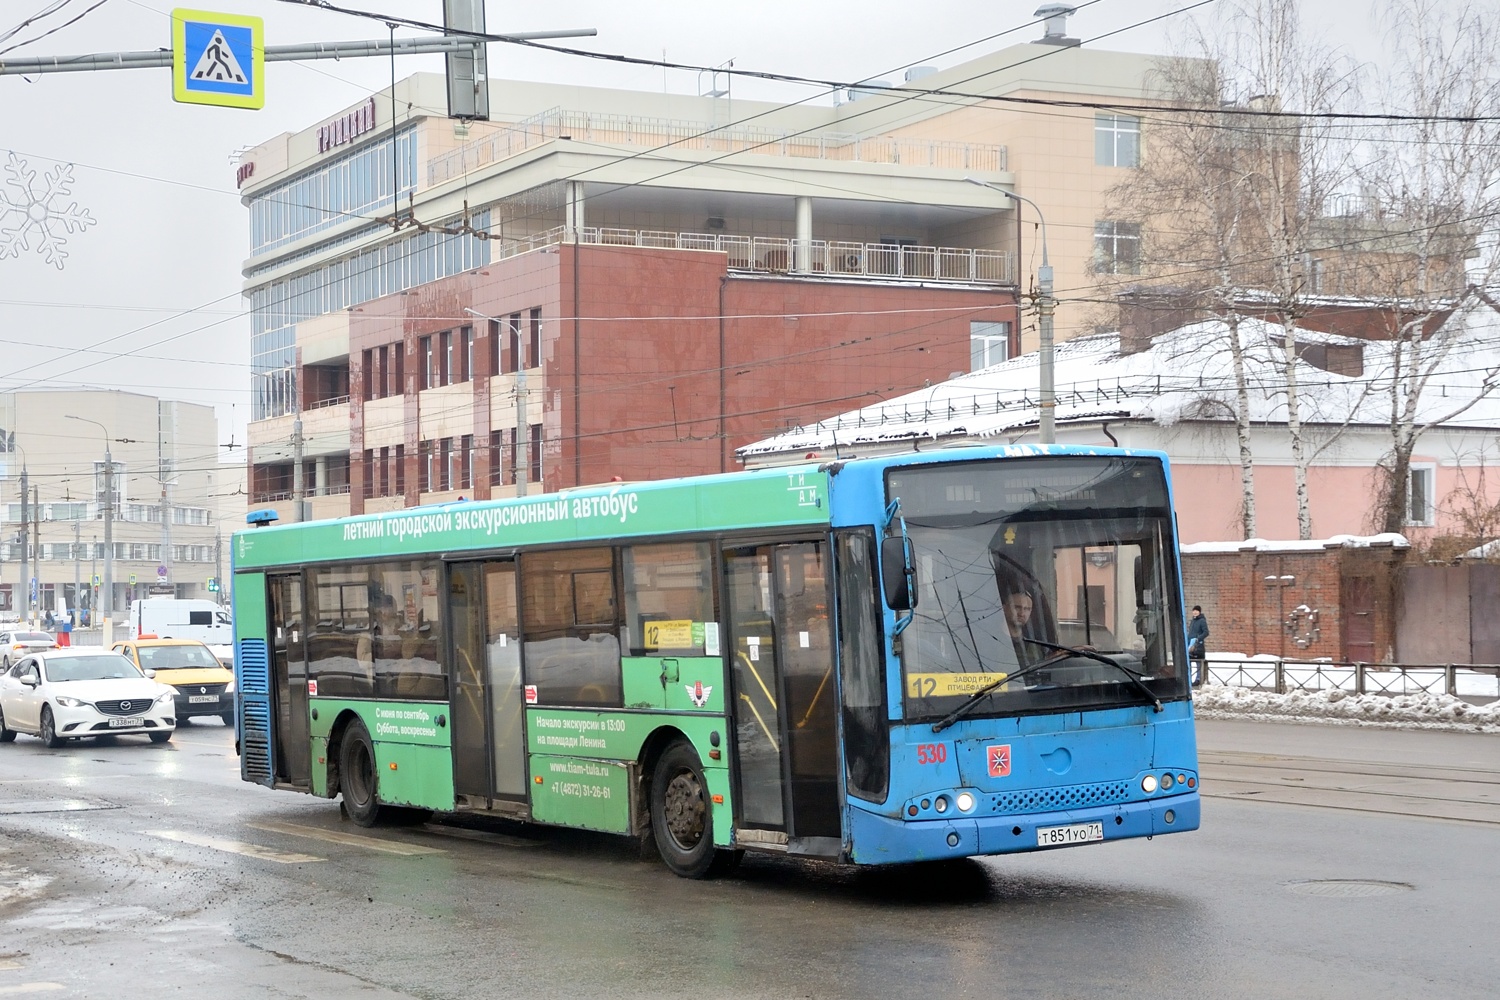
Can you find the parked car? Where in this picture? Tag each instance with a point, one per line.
(66, 694)
(203, 685)
(19, 642)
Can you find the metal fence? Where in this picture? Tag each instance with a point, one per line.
(1284, 676)
(504, 141)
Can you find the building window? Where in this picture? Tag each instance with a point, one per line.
(1117, 247)
(1421, 508)
(429, 363)
(989, 344)
(513, 344)
(536, 454)
(384, 461)
(424, 467)
(534, 348)
(370, 392)
(466, 353)
(515, 458)
(399, 459)
(444, 464)
(466, 463)
(450, 368)
(1117, 140)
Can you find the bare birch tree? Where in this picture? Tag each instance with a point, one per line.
(1430, 192)
(1230, 194)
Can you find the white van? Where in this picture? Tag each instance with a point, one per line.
(178, 618)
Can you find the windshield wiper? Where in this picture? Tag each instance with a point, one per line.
(1135, 678)
(979, 695)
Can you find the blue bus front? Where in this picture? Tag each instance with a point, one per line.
(1038, 695)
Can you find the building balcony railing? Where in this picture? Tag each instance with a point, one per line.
(779, 255)
(622, 130)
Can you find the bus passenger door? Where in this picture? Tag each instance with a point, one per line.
(785, 693)
(292, 753)
(489, 738)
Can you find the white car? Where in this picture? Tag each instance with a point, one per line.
(66, 694)
(18, 642)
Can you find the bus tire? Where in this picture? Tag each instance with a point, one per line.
(681, 816)
(359, 781)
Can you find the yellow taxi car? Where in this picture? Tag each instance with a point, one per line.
(204, 686)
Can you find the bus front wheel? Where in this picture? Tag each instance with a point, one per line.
(358, 780)
(681, 816)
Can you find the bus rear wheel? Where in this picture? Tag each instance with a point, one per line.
(358, 779)
(682, 820)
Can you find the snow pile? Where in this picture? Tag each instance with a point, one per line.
(1315, 545)
(1415, 711)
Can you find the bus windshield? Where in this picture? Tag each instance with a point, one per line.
(1023, 562)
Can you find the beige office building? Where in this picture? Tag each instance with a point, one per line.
(174, 502)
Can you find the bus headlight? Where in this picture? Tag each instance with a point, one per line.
(1148, 784)
(965, 802)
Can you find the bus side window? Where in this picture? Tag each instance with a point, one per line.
(570, 618)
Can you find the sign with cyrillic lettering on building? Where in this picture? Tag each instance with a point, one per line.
(347, 128)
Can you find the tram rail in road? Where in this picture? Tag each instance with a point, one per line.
(1466, 794)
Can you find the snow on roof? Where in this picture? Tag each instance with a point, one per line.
(1315, 545)
(1186, 374)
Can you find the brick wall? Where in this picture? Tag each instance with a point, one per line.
(1249, 595)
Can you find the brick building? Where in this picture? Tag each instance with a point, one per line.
(680, 276)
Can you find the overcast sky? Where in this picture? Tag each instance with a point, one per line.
(148, 298)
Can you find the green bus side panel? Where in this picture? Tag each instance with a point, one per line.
(573, 791)
(644, 683)
(769, 498)
(320, 766)
(412, 775)
(619, 736)
(699, 686)
(407, 734)
(676, 683)
(250, 617)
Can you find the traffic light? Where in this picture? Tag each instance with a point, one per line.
(213, 585)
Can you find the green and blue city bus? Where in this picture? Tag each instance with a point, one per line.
(926, 656)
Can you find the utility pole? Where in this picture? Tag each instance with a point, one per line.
(166, 535)
(1045, 306)
(107, 599)
(36, 534)
(77, 578)
(523, 429)
(25, 540)
(219, 565)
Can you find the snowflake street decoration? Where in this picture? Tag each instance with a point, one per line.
(25, 210)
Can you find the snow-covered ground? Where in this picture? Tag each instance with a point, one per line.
(1408, 711)
(1241, 687)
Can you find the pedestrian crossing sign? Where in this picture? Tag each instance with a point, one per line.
(218, 59)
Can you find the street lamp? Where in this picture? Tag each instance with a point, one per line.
(523, 429)
(1045, 304)
(107, 601)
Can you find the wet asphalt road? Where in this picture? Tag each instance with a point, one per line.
(132, 869)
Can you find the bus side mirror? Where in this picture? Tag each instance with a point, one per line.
(898, 574)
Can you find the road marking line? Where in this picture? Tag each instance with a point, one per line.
(351, 839)
(20, 988)
(233, 846)
(8, 965)
(483, 836)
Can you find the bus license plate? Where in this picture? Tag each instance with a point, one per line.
(1078, 833)
(126, 722)
(198, 699)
